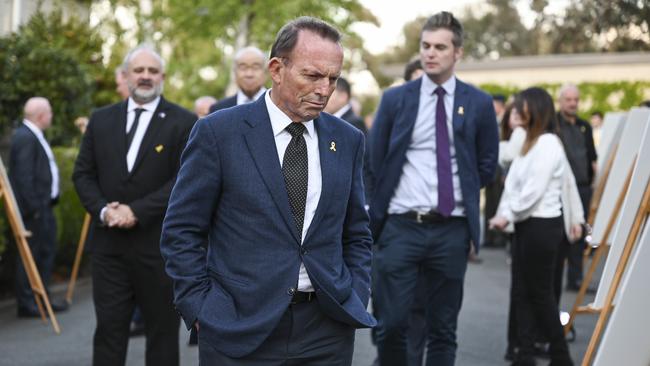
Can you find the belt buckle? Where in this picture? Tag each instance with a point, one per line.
(418, 217)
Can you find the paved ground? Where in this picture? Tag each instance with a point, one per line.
(482, 327)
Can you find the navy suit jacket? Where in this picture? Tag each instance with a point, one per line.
(231, 101)
(29, 173)
(476, 140)
(230, 196)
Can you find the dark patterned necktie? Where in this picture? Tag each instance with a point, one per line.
(134, 127)
(294, 169)
(443, 158)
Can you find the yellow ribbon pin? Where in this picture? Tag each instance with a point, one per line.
(461, 110)
(333, 146)
(159, 148)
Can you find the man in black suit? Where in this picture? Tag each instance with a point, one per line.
(339, 105)
(250, 76)
(124, 174)
(34, 177)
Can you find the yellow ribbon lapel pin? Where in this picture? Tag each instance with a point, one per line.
(159, 148)
(461, 110)
(333, 146)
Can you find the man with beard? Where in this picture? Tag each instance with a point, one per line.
(124, 174)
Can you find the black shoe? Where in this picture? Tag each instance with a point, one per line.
(136, 329)
(541, 350)
(28, 313)
(59, 305)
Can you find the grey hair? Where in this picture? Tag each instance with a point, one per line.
(287, 37)
(566, 87)
(148, 47)
(252, 49)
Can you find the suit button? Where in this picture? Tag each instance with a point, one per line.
(291, 291)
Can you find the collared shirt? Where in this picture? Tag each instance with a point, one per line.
(418, 186)
(54, 170)
(143, 124)
(279, 121)
(243, 98)
(575, 145)
(343, 110)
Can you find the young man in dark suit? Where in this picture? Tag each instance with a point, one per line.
(274, 189)
(250, 76)
(433, 144)
(339, 105)
(124, 173)
(34, 177)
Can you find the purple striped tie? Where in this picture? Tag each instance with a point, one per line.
(443, 158)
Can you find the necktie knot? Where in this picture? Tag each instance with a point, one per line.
(440, 92)
(296, 129)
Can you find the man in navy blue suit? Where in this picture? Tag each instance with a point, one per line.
(274, 190)
(433, 145)
(250, 77)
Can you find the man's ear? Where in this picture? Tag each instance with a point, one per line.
(458, 53)
(275, 67)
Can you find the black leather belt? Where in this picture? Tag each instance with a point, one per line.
(299, 297)
(430, 217)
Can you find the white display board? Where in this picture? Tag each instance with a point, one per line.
(640, 179)
(626, 340)
(610, 135)
(628, 148)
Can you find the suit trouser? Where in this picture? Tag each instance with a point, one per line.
(120, 281)
(305, 336)
(437, 253)
(534, 260)
(42, 244)
(576, 250)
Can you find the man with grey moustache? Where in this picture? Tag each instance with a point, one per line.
(124, 174)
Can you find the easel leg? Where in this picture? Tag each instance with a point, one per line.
(77, 259)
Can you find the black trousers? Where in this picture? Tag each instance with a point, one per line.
(305, 336)
(534, 262)
(576, 250)
(42, 244)
(119, 283)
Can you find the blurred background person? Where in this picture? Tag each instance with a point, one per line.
(539, 190)
(578, 142)
(202, 105)
(499, 102)
(250, 76)
(120, 83)
(34, 177)
(596, 122)
(413, 70)
(340, 105)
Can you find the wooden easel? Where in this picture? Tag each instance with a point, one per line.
(21, 235)
(600, 187)
(640, 219)
(77, 258)
(600, 252)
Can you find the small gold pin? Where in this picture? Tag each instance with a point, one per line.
(461, 110)
(159, 148)
(333, 146)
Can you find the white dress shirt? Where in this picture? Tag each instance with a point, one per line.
(143, 124)
(54, 170)
(343, 110)
(418, 186)
(243, 98)
(533, 186)
(279, 121)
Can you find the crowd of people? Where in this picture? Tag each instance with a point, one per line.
(259, 218)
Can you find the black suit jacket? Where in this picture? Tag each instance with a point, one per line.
(100, 173)
(29, 173)
(354, 120)
(231, 101)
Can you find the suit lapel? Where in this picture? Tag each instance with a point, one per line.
(460, 107)
(403, 127)
(156, 123)
(261, 144)
(120, 138)
(328, 163)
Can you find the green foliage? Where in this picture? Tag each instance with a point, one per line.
(603, 97)
(46, 58)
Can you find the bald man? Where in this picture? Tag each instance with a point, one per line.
(34, 177)
(250, 76)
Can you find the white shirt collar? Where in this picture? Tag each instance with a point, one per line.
(428, 86)
(280, 121)
(343, 110)
(243, 98)
(149, 107)
(32, 126)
